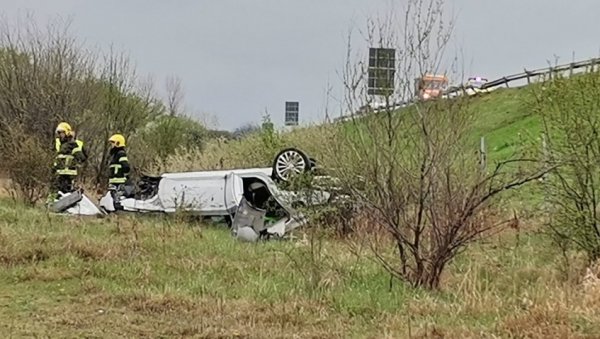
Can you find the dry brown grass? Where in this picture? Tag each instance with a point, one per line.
(151, 316)
(38, 248)
(252, 151)
(4, 186)
(149, 277)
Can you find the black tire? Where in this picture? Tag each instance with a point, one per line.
(228, 220)
(289, 162)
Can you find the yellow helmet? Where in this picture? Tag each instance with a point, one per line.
(64, 127)
(118, 140)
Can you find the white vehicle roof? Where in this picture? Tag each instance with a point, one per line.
(216, 174)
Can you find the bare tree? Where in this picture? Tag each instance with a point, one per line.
(125, 108)
(412, 169)
(175, 96)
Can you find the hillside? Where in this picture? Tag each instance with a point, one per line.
(502, 116)
(143, 276)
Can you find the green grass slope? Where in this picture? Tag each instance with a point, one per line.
(504, 117)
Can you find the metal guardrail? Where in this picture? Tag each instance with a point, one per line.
(529, 75)
(571, 67)
(588, 65)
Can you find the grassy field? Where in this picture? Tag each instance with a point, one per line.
(165, 277)
(126, 276)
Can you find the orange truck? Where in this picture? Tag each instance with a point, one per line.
(430, 86)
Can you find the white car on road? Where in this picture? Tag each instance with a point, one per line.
(474, 85)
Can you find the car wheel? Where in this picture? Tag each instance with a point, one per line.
(290, 162)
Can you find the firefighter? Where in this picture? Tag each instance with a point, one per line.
(119, 168)
(70, 155)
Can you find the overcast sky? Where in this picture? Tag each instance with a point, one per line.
(238, 57)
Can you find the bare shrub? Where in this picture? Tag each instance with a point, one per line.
(119, 105)
(415, 170)
(21, 158)
(43, 80)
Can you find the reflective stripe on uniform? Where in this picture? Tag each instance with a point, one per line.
(66, 159)
(65, 156)
(79, 147)
(123, 159)
(116, 167)
(66, 172)
(117, 180)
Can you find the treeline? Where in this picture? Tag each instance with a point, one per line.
(47, 77)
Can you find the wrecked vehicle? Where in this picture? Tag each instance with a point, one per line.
(248, 199)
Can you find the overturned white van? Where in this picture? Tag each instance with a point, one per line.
(249, 199)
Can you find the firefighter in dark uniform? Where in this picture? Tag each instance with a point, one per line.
(119, 168)
(70, 155)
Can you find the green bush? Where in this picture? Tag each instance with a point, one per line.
(570, 109)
